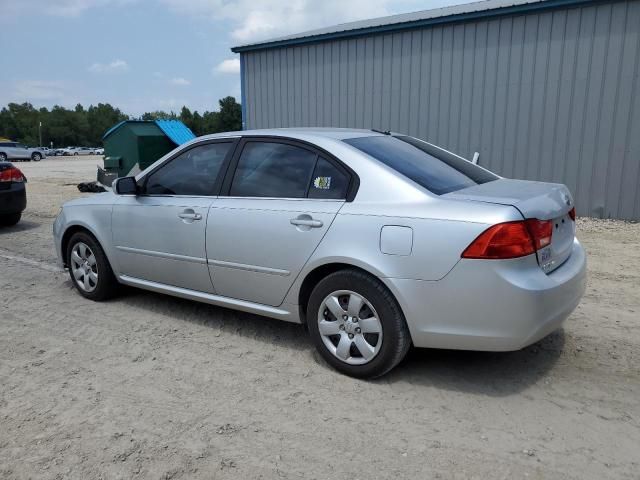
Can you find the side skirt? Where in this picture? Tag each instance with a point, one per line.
(291, 315)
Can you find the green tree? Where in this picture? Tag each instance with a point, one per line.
(85, 126)
(20, 122)
(101, 118)
(196, 124)
(158, 115)
(185, 116)
(210, 123)
(230, 115)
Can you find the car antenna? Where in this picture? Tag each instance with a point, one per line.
(384, 132)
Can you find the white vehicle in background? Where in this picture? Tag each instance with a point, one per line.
(17, 151)
(98, 151)
(78, 151)
(67, 151)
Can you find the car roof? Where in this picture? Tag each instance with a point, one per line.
(302, 133)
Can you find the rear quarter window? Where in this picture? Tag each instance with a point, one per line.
(328, 181)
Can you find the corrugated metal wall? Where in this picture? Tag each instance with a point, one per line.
(552, 96)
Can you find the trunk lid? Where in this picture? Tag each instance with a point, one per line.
(544, 201)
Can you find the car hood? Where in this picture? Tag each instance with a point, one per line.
(105, 198)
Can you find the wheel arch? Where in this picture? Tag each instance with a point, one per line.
(316, 274)
(72, 230)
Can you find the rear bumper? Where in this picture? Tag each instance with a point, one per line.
(493, 305)
(13, 200)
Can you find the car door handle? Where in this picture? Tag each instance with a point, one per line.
(306, 222)
(190, 216)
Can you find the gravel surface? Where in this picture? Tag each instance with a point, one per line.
(149, 386)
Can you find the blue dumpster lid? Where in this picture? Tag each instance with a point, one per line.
(177, 131)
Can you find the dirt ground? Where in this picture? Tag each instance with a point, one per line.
(149, 386)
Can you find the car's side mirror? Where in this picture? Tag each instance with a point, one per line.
(126, 186)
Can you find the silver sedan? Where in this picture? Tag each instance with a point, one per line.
(376, 241)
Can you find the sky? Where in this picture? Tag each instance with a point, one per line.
(146, 55)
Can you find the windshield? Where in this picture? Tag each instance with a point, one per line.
(431, 167)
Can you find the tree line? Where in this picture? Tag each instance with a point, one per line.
(86, 126)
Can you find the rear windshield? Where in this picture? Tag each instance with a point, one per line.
(435, 169)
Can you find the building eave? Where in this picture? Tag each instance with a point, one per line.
(353, 32)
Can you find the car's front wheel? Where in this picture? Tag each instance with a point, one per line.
(36, 157)
(3, 157)
(89, 268)
(357, 325)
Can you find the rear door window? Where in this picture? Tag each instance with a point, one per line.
(273, 169)
(435, 169)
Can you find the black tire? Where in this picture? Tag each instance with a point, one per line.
(107, 285)
(3, 157)
(396, 339)
(36, 157)
(10, 220)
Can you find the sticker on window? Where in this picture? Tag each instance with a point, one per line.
(323, 183)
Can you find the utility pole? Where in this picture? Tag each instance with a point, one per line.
(40, 133)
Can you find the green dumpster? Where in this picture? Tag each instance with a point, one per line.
(133, 145)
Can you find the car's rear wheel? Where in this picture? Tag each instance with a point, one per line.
(3, 157)
(10, 219)
(89, 268)
(36, 157)
(357, 325)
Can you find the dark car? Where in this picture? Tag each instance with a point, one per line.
(13, 194)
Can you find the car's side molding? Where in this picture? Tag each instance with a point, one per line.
(152, 253)
(250, 268)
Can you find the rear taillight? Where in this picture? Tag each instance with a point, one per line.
(572, 214)
(541, 231)
(12, 174)
(511, 240)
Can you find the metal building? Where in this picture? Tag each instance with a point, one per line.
(544, 90)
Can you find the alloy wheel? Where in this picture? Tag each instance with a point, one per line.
(84, 267)
(350, 327)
